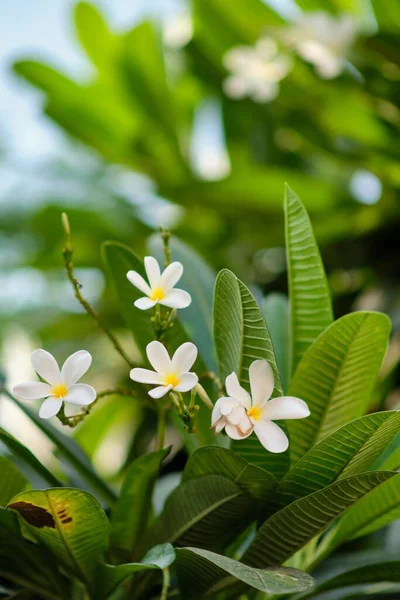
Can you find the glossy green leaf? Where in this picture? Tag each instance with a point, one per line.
(203, 573)
(29, 460)
(220, 461)
(310, 300)
(275, 308)
(348, 451)
(109, 577)
(337, 376)
(202, 512)
(242, 337)
(198, 279)
(11, 481)
(130, 515)
(71, 452)
(288, 530)
(94, 35)
(70, 523)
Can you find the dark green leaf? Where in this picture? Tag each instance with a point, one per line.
(11, 481)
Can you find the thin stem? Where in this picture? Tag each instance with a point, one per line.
(215, 379)
(166, 236)
(161, 423)
(69, 267)
(76, 419)
(166, 584)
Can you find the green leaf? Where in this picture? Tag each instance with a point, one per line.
(310, 300)
(11, 481)
(242, 337)
(71, 452)
(348, 451)
(337, 376)
(198, 279)
(109, 577)
(275, 308)
(201, 572)
(378, 509)
(219, 461)
(70, 523)
(292, 527)
(21, 453)
(387, 14)
(94, 35)
(130, 515)
(203, 511)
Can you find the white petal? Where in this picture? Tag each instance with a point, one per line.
(235, 390)
(236, 434)
(138, 281)
(187, 381)
(184, 358)
(75, 366)
(32, 390)
(152, 271)
(219, 425)
(145, 376)
(145, 303)
(171, 276)
(158, 357)
(80, 394)
(176, 299)
(227, 405)
(271, 436)
(235, 86)
(46, 366)
(286, 407)
(160, 391)
(50, 408)
(261, 381)
(216, 412)
(236, 415)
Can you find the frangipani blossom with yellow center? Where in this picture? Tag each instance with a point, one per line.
(160, 288)
(61, 384)
(241, 413)
(255, 71)
(322, 40)
(169, 374)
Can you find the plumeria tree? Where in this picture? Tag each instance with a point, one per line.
(287, 463)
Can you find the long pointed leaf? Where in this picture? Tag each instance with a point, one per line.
(310, 300)
(11, 481)
(337, 375)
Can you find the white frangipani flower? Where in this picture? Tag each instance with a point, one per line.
(169, 374)
(241, 414)
(255, 71)
(160, 288)
(61, 385)
(322, 40)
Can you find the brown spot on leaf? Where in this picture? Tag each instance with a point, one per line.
(34, 515)
(67, 520)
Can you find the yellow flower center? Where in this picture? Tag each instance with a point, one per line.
(59, 390)
(172, 379)
(254, 412)
(157, 294)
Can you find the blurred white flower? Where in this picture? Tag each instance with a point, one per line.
(255, 71)
(62, 385)
(169, 374)
(160, 286)
(322, 40)
(241, 414)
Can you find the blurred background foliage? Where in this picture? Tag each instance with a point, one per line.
(149, 137)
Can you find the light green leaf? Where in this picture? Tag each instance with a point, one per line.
(203, 511)
(109, 577)
(198, 279)
(310, 300)
(11, 481)
(275, 308)
(71, 452)
(242, 337)
(337, 376)
(219, 461)
(94, 35)
(288, 530)
(130, 515)
(387, 13)
(70, 523)
(348, 451)
(27, 459)
(203, 573)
